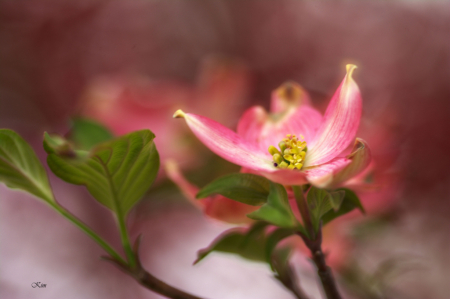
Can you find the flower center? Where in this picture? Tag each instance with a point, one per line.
(291, 153)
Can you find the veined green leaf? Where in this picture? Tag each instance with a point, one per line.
(20, 168)
(255, 243)
(350, 201)
(87, 133)
(117, 173)
(247, 188)
(277, 210)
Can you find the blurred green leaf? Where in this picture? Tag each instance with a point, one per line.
(254, 244)
(117, 172)
(55, 144)
(277, 210)
(242, 187)
(87, 133)
(280, 263)
(350, 201)
(320, 202)
(20, 168)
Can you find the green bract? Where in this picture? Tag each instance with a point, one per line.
(349, 203)
(326, 205)
(277, 210)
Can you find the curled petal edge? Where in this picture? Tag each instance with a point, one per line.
(342, 169)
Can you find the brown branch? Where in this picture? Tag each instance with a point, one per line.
(151, 282)
(324, 272)
(148, 280)
(289, 280)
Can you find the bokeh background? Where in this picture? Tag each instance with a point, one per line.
(130, 64)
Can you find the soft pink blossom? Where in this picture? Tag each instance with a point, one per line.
(326, 137)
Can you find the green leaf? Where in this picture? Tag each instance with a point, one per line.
(247, 188)
(87, 133)
(254, 244)
(117, 173)
(349, 203)
(20, 168)
(277, 210)
(321, 201)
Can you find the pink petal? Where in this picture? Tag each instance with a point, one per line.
(360, 159)
(286, 177)
(322, 176)
(281, 176)
(293, 115)
(340, 124)
(227, 144)
(252, 123)
(339, 170)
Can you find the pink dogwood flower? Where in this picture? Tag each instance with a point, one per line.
(312, 147)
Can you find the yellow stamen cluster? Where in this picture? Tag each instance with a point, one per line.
(291, 154)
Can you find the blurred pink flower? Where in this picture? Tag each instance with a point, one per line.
(127, 104)
(316, 153)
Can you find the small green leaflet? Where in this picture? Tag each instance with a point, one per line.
(255, 243)
(321, 201)
(58, 145)
(117, 173)
(247, 188)
(277, 210)
(349, 203)
(20, 168)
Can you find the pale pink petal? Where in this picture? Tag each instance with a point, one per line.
(262, 129)
(288, 95)
(340, 123)
(360, 159)
(286, 177)
(227, 144)
(322, 176)
(281, 176)
(252, 123)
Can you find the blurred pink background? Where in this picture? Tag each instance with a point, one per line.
(158, 56)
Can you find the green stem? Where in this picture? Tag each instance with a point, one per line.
(304, 210)
(86, 229)
(126, 240)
